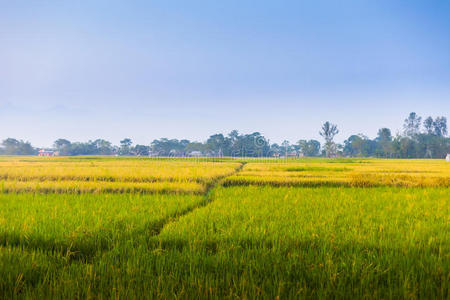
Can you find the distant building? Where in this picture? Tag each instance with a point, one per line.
(195, 154)
(292, 154)
(288, 154)
(153, 153)
(47, 153)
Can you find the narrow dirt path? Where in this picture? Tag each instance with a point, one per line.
(207, 199)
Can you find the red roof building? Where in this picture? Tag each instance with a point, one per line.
(43, 152)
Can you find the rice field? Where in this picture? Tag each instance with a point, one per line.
(144, 228)
(100, 175)
(346, 172)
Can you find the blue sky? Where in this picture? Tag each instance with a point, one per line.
(188, 69)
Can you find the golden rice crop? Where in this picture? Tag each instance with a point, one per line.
(137, 228)
(132, 170)
(71, 187)
(87, 175)
(373, 172)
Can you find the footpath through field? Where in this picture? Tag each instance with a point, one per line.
(218, 181)
(239, 228)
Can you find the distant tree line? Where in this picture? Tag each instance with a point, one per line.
(427, 139)
(12, 146)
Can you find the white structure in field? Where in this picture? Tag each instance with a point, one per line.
(447, 158)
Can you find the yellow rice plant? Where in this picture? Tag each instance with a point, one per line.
(114, 170)
(370, 172)
(76, 187)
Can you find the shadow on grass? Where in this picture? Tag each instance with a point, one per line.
(86, 246)
(246, 268)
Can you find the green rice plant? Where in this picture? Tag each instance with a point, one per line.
(83, 225)
(99, 187)
(145, 228)
(316, 242)
(22, 270)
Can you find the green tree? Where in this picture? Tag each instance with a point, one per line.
(428, 124)
(125, 145)
(16, 147)
(328, 132)
(440, 126)
(384, 142)
(309, 148)
(103, 147)
(219, 145)
(411, 126)
(63, 146)
(141, 150)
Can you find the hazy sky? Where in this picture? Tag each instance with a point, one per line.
(187, 69)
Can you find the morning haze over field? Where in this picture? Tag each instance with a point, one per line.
(224, 150)
(177, 69)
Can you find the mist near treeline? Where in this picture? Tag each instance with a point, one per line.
(420, 138)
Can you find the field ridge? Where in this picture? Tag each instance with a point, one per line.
(235, 229)
(207, 199)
